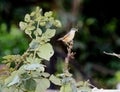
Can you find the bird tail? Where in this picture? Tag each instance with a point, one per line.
(60, 39)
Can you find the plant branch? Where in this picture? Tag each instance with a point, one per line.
(69, 56)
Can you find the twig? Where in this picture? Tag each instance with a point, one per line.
(112, 54)
(70, 55)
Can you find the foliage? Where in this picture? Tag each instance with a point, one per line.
(68, 84)
(26, 72)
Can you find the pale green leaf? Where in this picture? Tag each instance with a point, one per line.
(45, 51)
(42, 85)
(34, 44)
(27, 18)
(66, 88)
(43, 39)
(48, 14)
(73, 86)
(42, 23)
(66, 80)
(30, 84)
(21, 70)
(55, 80)
(15, 80)
(57, 23)
(38, 31)
(32, 13)
(45, 74)
(80, 83)
(29, 28)
(38, 11)
(25, 76)
(11, 78)
(49, 33)
(49, 24)
(8, 57)
(85, 89)
(30, 60)
(34, 66)
(28, 33)
(22, 25)
(10, 89)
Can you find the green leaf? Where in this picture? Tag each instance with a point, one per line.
(38, 12)
(37, 32)
(28, 33)
(34, 44)
(27, 18)
(30, 60)
(80, 84)
(66, 88)
(73, 86)
(57, 23)
(45, 51)
(49, 24)
(49, 33)
(42, 23)
(43, 39)
(48, 14)
(30, 84)
(45, 74)
(29, 28)
(10, 78)
(15, 80)
(9, 89)
(42, 85)
(85, 89)
(55, 80)
(32, 13)
(34, 66)
(22, 25)
(21, 70)
(25, 76)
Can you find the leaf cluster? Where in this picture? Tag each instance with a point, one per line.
(68, 84)
(26, 73)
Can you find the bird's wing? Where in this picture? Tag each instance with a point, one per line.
(64, 37)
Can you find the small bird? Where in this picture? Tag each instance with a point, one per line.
(69, 36)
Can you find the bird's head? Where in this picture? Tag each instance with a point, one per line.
(74, 29)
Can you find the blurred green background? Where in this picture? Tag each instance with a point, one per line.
(98, 22)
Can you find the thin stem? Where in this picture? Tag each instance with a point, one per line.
(34, 55)
(38, 24)
(68, 57)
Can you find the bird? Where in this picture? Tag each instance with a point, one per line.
(69, 36)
